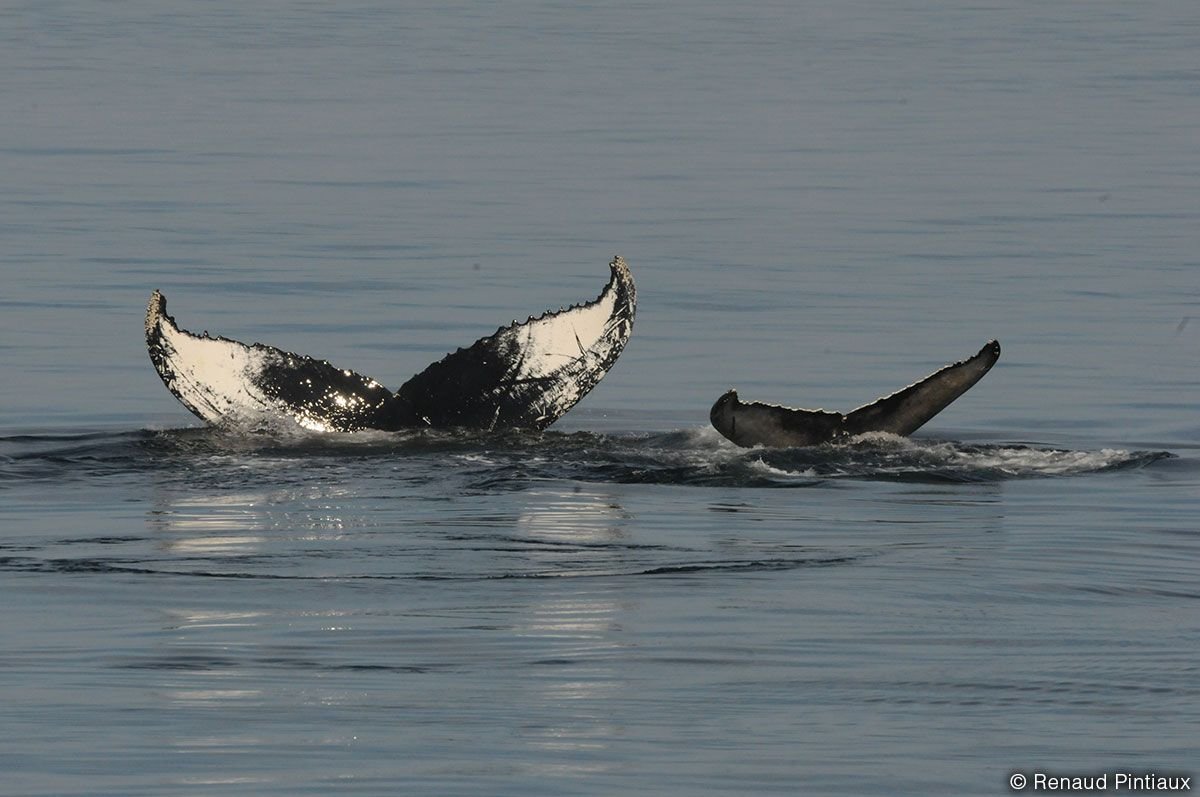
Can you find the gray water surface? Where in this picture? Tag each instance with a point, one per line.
(820, 202)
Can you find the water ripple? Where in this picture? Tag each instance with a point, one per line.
(515, 461)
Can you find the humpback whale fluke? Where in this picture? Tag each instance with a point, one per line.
(526, 375)
(902, 413)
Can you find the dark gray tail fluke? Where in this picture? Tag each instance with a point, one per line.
(525, 376)
(907, 410)
(902, 413)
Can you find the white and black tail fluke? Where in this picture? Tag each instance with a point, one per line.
(524, 376)
(254, 386)
(528, 374)
(902, 412)
(907, 410)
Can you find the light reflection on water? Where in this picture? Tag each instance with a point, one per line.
(579, 684)
(560, 649)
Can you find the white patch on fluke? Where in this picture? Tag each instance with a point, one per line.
(216, 377)
(576, 340)
(556, 341)
(212, 376)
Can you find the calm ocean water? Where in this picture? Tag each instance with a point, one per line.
(820, 203)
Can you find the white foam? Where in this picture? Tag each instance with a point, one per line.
(763, 468)
(882, 439)
(1020, 461)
